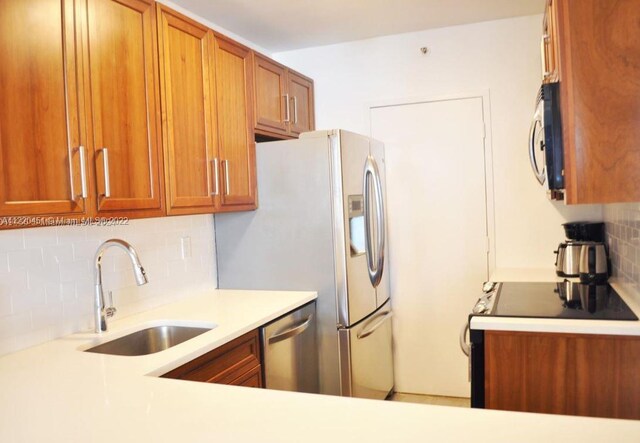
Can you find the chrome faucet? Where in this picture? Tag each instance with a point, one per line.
(102, 312)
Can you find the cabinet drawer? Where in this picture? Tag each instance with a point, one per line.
(225, 364)
(251, 379)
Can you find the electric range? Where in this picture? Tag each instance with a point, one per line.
(554, 300)
(570, 300)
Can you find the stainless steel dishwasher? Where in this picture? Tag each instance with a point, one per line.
(290, 351)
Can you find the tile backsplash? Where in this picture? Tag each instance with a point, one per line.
(47, 274)
(623, 237)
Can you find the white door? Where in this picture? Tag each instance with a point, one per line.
(437, 217)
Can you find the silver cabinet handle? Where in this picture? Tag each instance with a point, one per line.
(295, 110)
(291, 332)
(368, 331)
(107, 180)
(216, 188)
(83, 174)
(227, 183)
(466, 348)
(287, 117)
(539, 174)
(83, 170)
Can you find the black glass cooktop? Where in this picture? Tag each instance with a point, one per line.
(560, 300)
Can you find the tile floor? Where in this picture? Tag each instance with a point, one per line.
(431, 400)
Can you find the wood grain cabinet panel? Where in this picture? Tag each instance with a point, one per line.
(237, 362)
(188, 114)
(41, 123)
(284, 100)
(574, 374)
(272, 105)
(234, 97)
(121, 54)
(599, 69)
(302, 113)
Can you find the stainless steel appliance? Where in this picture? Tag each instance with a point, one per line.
(593, 263)
(545, 141)
(568, 254)
(560, 300)
(290, 352)
(568, 258)
(321, 226)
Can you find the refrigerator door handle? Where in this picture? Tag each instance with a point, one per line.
(375, 269)
(368, 331)
(368, 173)
(381, 234)
(291, 332)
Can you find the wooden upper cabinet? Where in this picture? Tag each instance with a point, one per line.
(301, 96)
(41, 127)
(549, 44)
(188, 114)
(234, 97)
(272, 105)
(122, 69)
(599, 58)
(283, 100)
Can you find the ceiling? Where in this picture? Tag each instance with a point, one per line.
(281, 25)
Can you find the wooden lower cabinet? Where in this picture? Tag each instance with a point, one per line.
(572, 374)
(234, 363)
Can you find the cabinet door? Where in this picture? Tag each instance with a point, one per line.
(40, 125)
(272, 104)
(234, 98)
(188, 114)
(549, 44)
(302, 107)
(122, 68)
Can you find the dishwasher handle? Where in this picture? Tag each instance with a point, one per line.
(292, 331)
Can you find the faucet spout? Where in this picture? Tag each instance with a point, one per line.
(101, 311)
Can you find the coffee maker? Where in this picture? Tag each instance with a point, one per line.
(584, 254)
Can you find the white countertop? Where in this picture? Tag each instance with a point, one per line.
(56, 393)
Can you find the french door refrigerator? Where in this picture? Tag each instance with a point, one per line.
(320, 226)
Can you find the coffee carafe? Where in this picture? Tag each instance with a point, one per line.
(569, 252)
(594, 263)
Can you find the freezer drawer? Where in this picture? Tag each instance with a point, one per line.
(290, 351)
(366, 358)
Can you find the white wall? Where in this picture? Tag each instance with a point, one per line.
(46, 274)
(501, 57)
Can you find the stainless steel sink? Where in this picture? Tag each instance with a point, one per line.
(148, 341)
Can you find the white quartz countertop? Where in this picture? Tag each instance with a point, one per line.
(57, 393)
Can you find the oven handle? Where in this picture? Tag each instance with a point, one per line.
(464, 345)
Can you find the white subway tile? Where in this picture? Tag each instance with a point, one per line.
(73, 271)
(25, 258)
(11, 240)
(46, 274)
(40, 237)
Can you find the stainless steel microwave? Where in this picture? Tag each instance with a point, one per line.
(545, 141)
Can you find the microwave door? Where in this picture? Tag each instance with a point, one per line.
(537, 142)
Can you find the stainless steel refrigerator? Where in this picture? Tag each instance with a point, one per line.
(321, 226)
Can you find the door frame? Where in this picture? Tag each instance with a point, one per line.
(489, 193)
